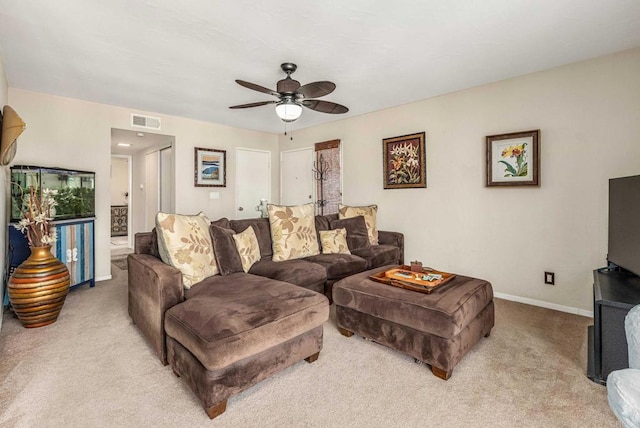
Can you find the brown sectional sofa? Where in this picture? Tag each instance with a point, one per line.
(305, 272)
(228, 332)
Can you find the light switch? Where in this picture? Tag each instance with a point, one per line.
(214, 195)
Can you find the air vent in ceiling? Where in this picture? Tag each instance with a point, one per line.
(147, 122)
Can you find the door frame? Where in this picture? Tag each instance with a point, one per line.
(237, 187)
(129, 188)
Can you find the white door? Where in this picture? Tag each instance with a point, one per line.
(253, 181)
(296, 176)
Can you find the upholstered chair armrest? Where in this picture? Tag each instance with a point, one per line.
(154, 287)
(392, 238)
(632, 328)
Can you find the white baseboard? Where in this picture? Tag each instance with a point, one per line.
(103, 278)
(543, 304)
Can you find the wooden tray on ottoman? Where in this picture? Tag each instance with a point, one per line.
(403, 277)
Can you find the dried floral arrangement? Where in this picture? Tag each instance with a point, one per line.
(37, 216)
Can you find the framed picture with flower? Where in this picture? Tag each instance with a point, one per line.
(405, 162)
(210, 168)
(513, 159)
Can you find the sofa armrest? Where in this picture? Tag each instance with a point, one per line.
(154, 287)
(392, 238)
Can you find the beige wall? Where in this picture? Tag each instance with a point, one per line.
(4, 89)
(588, 116)
(59, 128)
(119, 180)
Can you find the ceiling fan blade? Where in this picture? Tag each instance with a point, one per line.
(325, 106)
(257, 87)
(317, 89)
(258, 104)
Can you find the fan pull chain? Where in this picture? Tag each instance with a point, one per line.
(285, 131)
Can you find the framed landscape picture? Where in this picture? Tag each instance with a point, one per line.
(210, 168)
(405, 162)
(513, 159)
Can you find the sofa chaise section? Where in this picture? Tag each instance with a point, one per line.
(234, 331)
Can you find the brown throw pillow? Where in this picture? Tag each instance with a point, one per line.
(357, 235)
(369, 212)
(224, 247)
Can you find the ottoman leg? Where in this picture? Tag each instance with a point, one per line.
(216, 409)
(345, 332)
(438, 372)
(488, 334)
(310, 359)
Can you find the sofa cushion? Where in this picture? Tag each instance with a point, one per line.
(224, 248)
(229, 318)
(221, 222)
(357, 235)
(153, 246)
(293, 231)
(334, 241)
(379, 255)
(261, 228)
(184, 242)
(322, 223)
(369, 212)
(339, 265)
(298, 272)
(248, 249)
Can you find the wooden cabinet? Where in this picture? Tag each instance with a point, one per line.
(75, 247)
(614, 294)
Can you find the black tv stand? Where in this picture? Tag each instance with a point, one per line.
(615, 292)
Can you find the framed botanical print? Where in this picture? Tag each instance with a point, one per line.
(405, 162)
(210, 168)
(513, 159)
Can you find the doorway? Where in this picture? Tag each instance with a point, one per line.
(253, 181)
(150, 184)
(120, 191)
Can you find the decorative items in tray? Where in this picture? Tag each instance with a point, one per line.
(413, 277)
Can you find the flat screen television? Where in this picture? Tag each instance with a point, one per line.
(624, 223)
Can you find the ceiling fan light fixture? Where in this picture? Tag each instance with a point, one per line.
(288, 110)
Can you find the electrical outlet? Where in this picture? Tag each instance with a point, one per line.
(550, 278)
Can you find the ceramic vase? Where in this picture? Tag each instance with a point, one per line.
(38, 287)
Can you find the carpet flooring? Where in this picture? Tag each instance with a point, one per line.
(92, 368)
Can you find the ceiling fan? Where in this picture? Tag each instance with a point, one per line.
(292, 97)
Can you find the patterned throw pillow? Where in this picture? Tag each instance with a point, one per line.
(369, 212)
(184, 243)
(293, 232)
(248, 248)
(334, 241)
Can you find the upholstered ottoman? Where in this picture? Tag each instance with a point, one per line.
(230, 336)
(438, 328)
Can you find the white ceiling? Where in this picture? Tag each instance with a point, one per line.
(181, 58)
(138, 141)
